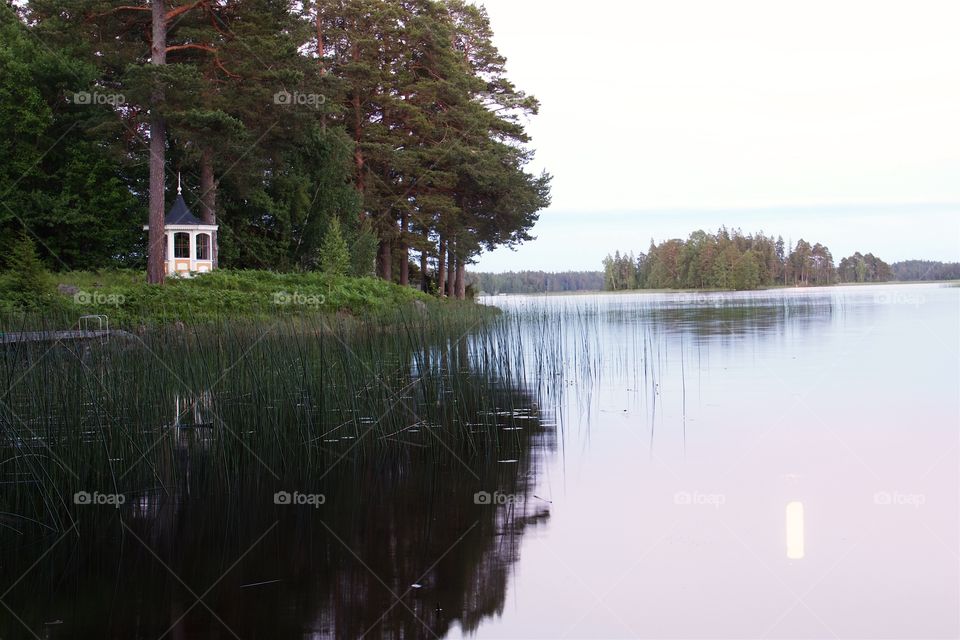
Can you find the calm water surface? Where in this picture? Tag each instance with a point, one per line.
(739, 465)
(710, 414)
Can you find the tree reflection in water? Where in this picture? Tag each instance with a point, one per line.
(400, 546)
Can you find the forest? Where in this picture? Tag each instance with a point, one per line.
(383, 133)
(732, 260)
(534, 281)
(925, 270)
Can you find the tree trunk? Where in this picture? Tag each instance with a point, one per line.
(442, 266)
(451, 271)
(321, 48)
(424, 280)
(357, 130)
(208, 200)
(461, 286)
(385, 260)
(321, 44)
(156, 241)
(404, 251)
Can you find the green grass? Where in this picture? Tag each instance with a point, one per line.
(128, 301)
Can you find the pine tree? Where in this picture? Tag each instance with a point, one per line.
(334, 253)
(363, 251)
(55, 176)
(28, 280)
(418, 138)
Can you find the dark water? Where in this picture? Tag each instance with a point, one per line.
(781, 464)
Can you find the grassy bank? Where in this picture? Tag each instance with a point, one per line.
(128, 301)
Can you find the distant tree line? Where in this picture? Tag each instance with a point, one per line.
(925, 270)
(863, 268)
(732, 260)
(535, 281)
(629, 268)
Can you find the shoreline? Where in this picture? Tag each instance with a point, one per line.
(585, 292)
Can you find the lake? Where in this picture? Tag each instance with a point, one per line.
(710, 415)
(641, 465)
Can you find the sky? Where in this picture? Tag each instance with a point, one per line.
(837, 122)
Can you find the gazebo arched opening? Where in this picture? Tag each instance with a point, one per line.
(181, 244)
(203, 246)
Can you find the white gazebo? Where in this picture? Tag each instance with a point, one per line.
(188, 246)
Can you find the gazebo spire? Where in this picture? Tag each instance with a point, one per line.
(179, 190)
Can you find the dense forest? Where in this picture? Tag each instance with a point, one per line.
(732, 260)
(534, 281)
(390, 121)
(925, 270)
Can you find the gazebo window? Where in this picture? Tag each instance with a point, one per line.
(181, 245)
(203, 246)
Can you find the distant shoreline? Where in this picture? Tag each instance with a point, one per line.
(951, 283)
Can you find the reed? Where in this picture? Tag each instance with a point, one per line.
(229, 402)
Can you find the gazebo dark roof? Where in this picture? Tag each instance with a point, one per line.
(180, 214)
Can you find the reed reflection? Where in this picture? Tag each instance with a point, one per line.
(402, 543)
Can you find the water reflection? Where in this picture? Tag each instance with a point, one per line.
(192, 411)
(795, 531)
(400, 547)
(706, 450)
(220, 534)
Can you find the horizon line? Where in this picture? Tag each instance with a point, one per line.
(891, 207)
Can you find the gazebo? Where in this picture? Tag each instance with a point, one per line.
(188, 246)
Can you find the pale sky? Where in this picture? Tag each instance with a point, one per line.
(836, 121)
